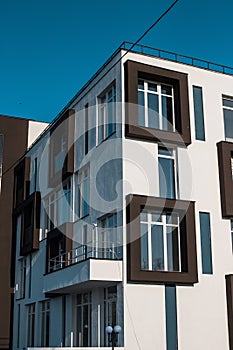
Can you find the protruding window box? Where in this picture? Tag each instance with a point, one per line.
(30, 210)
(161, 241)
(162, 95)
(22, 181)
(225, 164)
(61, 154)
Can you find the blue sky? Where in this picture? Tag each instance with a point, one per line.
(50, 48)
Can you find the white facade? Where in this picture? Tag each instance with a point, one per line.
(89, 283)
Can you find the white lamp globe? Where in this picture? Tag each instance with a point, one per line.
(117, 329)
(108, 329)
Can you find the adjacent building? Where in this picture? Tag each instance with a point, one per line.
(16, 135)
(122, 211)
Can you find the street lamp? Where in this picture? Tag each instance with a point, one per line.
(113, 333)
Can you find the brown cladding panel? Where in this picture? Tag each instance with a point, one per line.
(225, 153)
(15, 133)
(63, 129)
(188, 275)
(229, 292)
(134, 71)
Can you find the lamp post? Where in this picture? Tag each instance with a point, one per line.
(113, 332)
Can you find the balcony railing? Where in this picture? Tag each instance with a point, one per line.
(107, 250)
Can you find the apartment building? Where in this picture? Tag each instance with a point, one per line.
(123, 211)
(16, 134)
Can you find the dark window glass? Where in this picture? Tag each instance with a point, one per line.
(153, 111)
(198, 113)
(166, 177)
(228, 123)
(206, 250)
(157, 248)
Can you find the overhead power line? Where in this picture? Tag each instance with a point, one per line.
(127, 51)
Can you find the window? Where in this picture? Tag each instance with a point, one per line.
(83, 193)
(160, 241)
(109, 244)
(206, 250)
(198, 113)
(45, 323)
(18, 327)
(171, 317)
(107, 114)
(86, 133)
(34, 185)
(110, 310)
(156, 105)
(167, 173)
(1, 157)
(22, 277)
(31, 325)
(84, 320)
(228, 116)
(57, 208)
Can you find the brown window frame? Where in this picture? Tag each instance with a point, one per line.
(188, 275)
(135, 71)
(225, 153)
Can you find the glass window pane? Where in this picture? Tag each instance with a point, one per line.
(157, 247)
(167, 114)
(172, 218)
(165, 152)
(166, 178)
(172, 249)
(101, 123)
(141, 84)
(144, 247)
(152, 87)
(167, 90)
(228, 122)
(153, 111)
(141, 108)
(156, 217)
(227, 102)
(143, 216)
(198, 113)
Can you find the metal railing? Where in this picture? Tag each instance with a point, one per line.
(175, 57)
(106, 250)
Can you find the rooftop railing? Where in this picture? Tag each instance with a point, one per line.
(175, 57)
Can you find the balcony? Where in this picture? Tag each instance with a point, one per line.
(91, 265)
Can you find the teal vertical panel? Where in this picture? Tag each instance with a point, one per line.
(171, 318)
